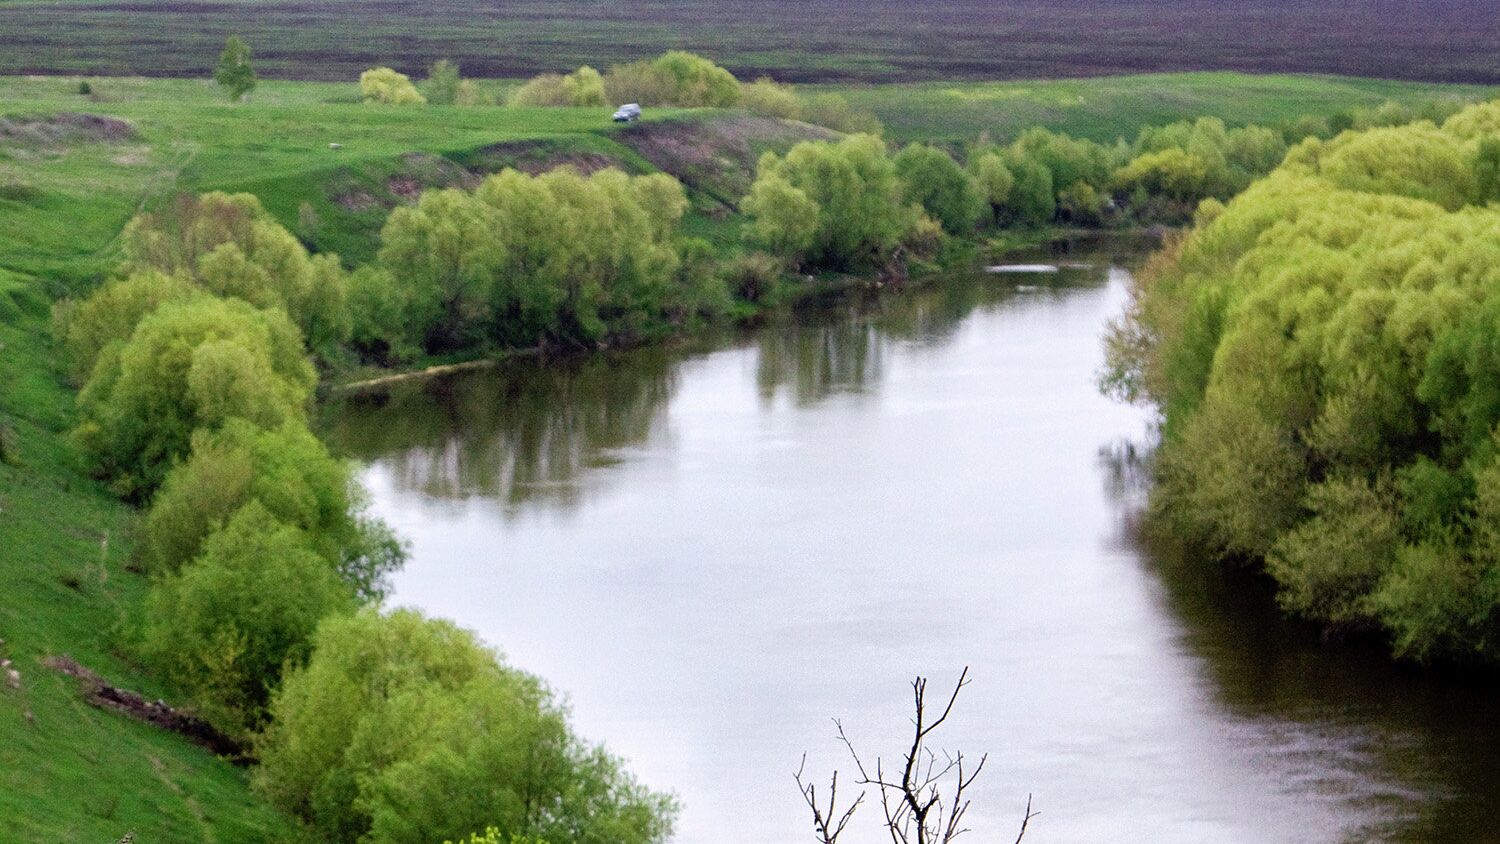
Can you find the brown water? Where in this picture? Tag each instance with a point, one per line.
(714, 554)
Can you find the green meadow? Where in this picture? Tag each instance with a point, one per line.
(1103, 109)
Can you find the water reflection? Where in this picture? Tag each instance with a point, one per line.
(522, 431)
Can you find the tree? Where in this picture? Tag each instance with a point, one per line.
(1322, 350)
(852, 184)
(188, 365)
(384, 85)
(229, 245)
(404, 729)
(994, 181)
(225, 626)
(584, 87)
(932, 179)
(1031, 200)
(442, 83)
(912, 795)
(234, 73)
(288, 472)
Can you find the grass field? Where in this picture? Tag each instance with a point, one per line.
(822, 40)
(72, 773)
(1104, 109)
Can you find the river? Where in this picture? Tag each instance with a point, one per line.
(714, 553)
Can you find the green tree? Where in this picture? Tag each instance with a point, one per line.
(584, 87)
(225, 626)
(234, 73)
(188, 365)
(288, 472)
(1031, 200)
(1322, 349)
(442, 83)
(403, 729)
(931, 179)
(852, 183)
(994, 181)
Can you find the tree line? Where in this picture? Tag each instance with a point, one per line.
(266, 571)
(1322, 349)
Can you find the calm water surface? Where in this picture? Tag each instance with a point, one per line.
(715, 554)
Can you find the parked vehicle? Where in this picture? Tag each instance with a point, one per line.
(628, 113)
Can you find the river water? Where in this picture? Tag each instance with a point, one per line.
(715, 553)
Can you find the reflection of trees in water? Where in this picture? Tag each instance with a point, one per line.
(836, 353)
(1413, 754)
(523, 431)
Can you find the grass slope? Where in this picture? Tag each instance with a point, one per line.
(805, 40)
(70, 772)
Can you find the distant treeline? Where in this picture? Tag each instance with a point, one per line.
(814, 40)
(1324, 353)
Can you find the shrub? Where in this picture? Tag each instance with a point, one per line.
(545, 89)
(931, 179)
(559, 257)
(584, 87)
(224, 626)
(771, 98)
(442, 83)
(188, 365)
(111, 314)
(403, 729)
(229, 245)
(676, 78)
(289, 473)
(850, 191)
(384, 85)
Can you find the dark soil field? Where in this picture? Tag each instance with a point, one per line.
(794, 40)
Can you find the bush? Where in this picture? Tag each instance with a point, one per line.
(111, 314)
(771, 98)
(383, 85)
(932, 179)
(224, 626)
(676, 78)
(401, 729)
(442, 83)
(289, 473)
(188, 365)
(229, 245)
(545, 89)
(752, 277)
(834, 112)
(837, 204)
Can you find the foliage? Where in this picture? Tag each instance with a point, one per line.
(224, 626)
(932, 179)
(188, 365)
(675, 78)
(837, 204)
(404, 729)
(233, 73)
(559, 257)
(288, 472)
(226, 244)
(584, 87)
(1323, 351)
(442, 83)
(773, 99)
(384, 85)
